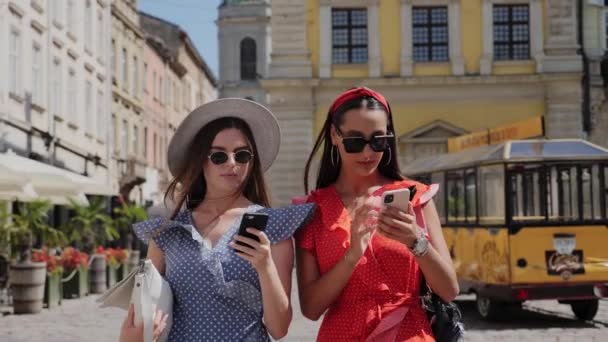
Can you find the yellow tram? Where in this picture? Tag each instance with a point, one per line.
(525, 220)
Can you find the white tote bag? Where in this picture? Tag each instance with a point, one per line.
(148, 291)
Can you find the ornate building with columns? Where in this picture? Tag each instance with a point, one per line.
(447, 67)
(595, 105)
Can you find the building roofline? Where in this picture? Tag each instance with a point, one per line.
(190, 47)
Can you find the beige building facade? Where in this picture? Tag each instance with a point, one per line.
(127, 50)
(595, 24)
(177, 80)
(55, 91)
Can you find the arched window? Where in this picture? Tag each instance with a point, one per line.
(248, 59)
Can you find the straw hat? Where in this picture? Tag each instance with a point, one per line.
(261, 121)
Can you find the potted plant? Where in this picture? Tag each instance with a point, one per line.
(75, 273)
(28, 277)
(124, 268)
(5, 249)
(90, 227)
(54, 271)
(115, 258)
(125, 216)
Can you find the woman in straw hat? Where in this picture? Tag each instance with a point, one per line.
(223, 290)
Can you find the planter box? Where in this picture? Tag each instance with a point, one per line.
(53, 290)
(112, 275)
(97, 274)
(27, 284)
(123, 272)
(76, 286)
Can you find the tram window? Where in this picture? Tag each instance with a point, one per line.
(492, 199)
(438, 178)
(471, 196)
(527, 200)
(455, 188)
(590, 188)
(563, 194)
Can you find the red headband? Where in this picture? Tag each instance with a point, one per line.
(356, 93)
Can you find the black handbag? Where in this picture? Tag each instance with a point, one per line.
(445, 318)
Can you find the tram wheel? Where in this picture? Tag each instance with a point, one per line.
(489, 309)
(585, 310)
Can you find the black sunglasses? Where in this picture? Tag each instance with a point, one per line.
(378, 143)
(241, 157)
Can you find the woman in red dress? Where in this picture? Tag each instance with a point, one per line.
(364, 274)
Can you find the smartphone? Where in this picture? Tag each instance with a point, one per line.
(396, 198)
(252, 220)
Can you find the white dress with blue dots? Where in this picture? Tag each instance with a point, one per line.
(217, 294)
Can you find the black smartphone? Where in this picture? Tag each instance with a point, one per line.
(252, 220)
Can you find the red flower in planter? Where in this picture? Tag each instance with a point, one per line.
(73, 258)
(116, 256)
(53, 263)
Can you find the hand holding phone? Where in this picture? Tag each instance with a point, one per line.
(252, 220)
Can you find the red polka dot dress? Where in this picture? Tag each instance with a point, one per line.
(381, 299)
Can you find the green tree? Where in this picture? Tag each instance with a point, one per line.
(90, 226)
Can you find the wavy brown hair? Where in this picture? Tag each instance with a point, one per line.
(328, 173)
(189, 186)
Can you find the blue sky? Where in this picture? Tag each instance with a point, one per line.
(197, 17)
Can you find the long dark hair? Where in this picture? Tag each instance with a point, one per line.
(328, 172)
(189, 185)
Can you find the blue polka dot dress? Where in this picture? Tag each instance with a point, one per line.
(217, 294)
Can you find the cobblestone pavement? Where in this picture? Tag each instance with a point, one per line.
(81, 320)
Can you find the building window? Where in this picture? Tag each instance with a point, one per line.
(100, 35)
(15, 63)
(430, 34)
(160, 89)
(145, 141)
(606, 27)
(511, 32)
(113, 57)
(89, 107)
(72, 96)
(56, 97)
(135, 81)
(124, 137)
(349, 35)
(248, 59)
(171, 93)
(88, 30)
(154, 84)
(135, 141)
(36, 75)
(176, 96)
(70, 16)
(154, 150)
(185, 95)
(114, 129)
(145, 81)
(167, 92)
(125, 71)
(100, 116)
